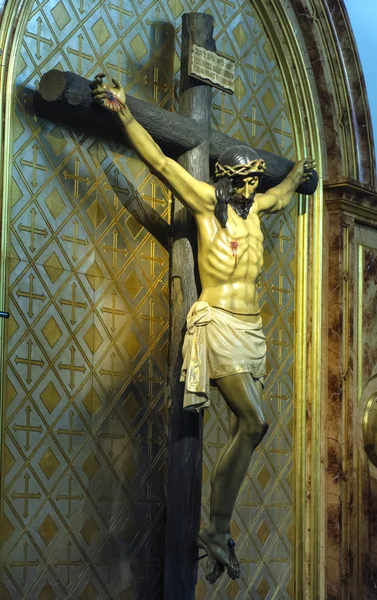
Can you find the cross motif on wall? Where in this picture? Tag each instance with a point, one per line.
(25, 563)
(26, 496)
(121, 11)
(72, 368)
(34, 165)
(112, 310)
(156, 83)
(71, 432)
(151, 318)
(281, 237)
(75, 240)
(69, 497)
(254, 68)
(116, 189)
(152, 258)
(33, 230)
(76, 177)
(69, 563)
(30, 295)
(111, 435)
(80, 54)
(280, 289)
(280, 343)
(28, 428)
(73, 303)
(29, 361)
(115, 250)
(151, 380)
(112, 372)
(38, 37)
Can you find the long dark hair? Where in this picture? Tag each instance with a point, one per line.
(235, 155)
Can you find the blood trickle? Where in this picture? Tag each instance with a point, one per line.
(234, 246)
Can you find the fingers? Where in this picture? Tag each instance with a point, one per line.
(116, 83)
(309, 164)
(99, 93)
(97, 82)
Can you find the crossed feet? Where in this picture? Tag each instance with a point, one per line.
(220, 549)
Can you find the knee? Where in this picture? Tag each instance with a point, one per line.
(255, 430)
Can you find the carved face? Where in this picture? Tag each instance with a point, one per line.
(245, 187)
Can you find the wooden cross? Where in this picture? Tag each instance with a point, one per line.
(189, 137)
(29, 361)
(30, 295)
(34, 165)
(26, 495)
(28, 428)
(69, 497)
(73, 303)
(71, 432)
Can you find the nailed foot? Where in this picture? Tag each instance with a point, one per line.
(220, 549)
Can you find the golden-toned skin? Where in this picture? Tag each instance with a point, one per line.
(230, 262)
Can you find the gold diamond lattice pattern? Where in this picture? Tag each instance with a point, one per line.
(95, 441)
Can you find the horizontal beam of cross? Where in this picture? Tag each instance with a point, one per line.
(66, 98)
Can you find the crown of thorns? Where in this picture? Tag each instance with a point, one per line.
(257, 166)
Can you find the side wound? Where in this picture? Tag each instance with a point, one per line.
(234, 246)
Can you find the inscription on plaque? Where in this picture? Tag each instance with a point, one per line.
(212, 68)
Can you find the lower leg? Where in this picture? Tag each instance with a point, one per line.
(247, 428)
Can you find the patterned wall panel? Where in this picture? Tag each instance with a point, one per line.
(84, 440)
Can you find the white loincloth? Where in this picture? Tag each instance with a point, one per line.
(218, 344)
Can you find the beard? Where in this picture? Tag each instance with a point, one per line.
(240, 205)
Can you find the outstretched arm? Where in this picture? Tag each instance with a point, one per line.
(196, 195)
(280, 196)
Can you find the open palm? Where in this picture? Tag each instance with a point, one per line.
(111, 98)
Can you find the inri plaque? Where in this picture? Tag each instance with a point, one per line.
(212, 68)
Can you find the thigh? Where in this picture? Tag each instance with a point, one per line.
(242, 394)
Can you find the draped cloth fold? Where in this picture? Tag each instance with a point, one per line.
(218, 344)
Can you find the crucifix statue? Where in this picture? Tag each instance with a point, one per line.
(224, 339)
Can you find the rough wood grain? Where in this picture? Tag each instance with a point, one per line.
(66, 97)
(186, 429)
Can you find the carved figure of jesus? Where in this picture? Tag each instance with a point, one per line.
(224, 339)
